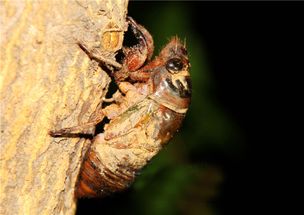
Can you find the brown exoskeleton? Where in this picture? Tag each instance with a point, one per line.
(150, 108)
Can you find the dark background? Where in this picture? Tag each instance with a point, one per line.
(223, 160)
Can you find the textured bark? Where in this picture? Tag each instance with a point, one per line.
(48, 82)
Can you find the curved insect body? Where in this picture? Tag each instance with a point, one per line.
(118, 154)
(146, 114)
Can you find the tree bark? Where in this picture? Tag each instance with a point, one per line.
(48, 82)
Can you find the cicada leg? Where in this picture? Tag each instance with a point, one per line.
(79, 129)
(136, 55)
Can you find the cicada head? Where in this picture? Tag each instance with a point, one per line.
(172, 83)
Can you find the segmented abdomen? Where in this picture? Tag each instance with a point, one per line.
(95, 179)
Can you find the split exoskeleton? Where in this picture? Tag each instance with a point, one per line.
(145, 113)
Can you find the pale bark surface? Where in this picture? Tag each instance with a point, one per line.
(47, 82)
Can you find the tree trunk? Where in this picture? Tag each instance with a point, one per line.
(48, 82)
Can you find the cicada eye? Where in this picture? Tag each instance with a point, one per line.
(174, 65)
